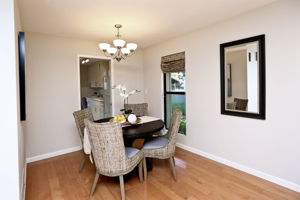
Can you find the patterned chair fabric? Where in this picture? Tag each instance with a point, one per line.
(241, 104)
(79, 117)
(167, 150)
(231, 105)
(164, 148)
(108, 149)
(140, 109)
(110, 156)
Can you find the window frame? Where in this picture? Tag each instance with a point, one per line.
(165, 96)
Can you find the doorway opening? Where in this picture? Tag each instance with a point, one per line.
(95, 86)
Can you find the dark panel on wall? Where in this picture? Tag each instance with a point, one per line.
(21, 45)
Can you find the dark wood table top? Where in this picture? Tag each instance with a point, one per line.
(144, 130)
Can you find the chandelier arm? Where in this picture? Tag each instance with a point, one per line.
(106, 54)
(130, 54)
(120, 53)
(122, 57)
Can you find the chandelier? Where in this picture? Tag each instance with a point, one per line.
(119, 51)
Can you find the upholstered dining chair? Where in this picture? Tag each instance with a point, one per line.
(79, 117)
(164, 147)
(139, 109)
(110, 155)
(240, 104)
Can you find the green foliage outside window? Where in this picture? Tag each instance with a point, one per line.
(182, 127)
(181, 106)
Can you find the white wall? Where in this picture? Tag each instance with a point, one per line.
(270, 146)
(53, 93)
(21, 125)
(11, 134)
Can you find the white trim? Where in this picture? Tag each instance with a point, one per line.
(111, 68)
(23, 186)
(162, 106)
(52, 154)
(112, 83)
(254, 172)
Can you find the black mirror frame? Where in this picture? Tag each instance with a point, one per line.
(21, 47)
(262, 80)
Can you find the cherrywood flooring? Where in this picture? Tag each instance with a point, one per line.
(198, 179)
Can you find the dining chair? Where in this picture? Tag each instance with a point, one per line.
(139, 109)
(240, 104)
(79, 117)
(164, 147)
(231, 106)
(110, 155)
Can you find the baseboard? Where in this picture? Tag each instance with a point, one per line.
(268, 177)
(52, 154)
(23, 184)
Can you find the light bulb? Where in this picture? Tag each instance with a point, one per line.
(112, 51)
(131, 46)
(104, 46)
(125, 51)
(119, 43)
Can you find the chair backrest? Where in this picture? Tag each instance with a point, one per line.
(174, 127)
(241, 104)
(79, 117)
(139, 109)
(107, 146)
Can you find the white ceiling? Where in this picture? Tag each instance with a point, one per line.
(144, 22)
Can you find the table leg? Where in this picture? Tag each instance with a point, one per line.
(149, 162)
(128, 142)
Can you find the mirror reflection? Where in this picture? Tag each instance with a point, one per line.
(242, 77)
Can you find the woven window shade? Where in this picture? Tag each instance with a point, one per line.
(173, 63)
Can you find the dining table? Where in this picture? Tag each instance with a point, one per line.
(146, 129)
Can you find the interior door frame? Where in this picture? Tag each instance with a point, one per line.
(111, 69)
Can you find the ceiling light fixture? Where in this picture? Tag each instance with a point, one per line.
(119, 51)
(85, 61)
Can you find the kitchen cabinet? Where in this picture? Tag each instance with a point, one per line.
(97, 107)
(96, 74)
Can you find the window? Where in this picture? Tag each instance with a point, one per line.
(174, 97)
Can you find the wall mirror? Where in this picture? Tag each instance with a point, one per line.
(243, 77)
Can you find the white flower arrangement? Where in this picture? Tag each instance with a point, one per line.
(122, 91)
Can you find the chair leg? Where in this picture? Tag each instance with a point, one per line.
(173, 168)
(173, 159)
(141, 170)
(82, 162)
(122, 187)
(94, 184)
(145, 168)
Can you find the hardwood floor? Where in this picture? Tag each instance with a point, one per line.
(198, 178)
